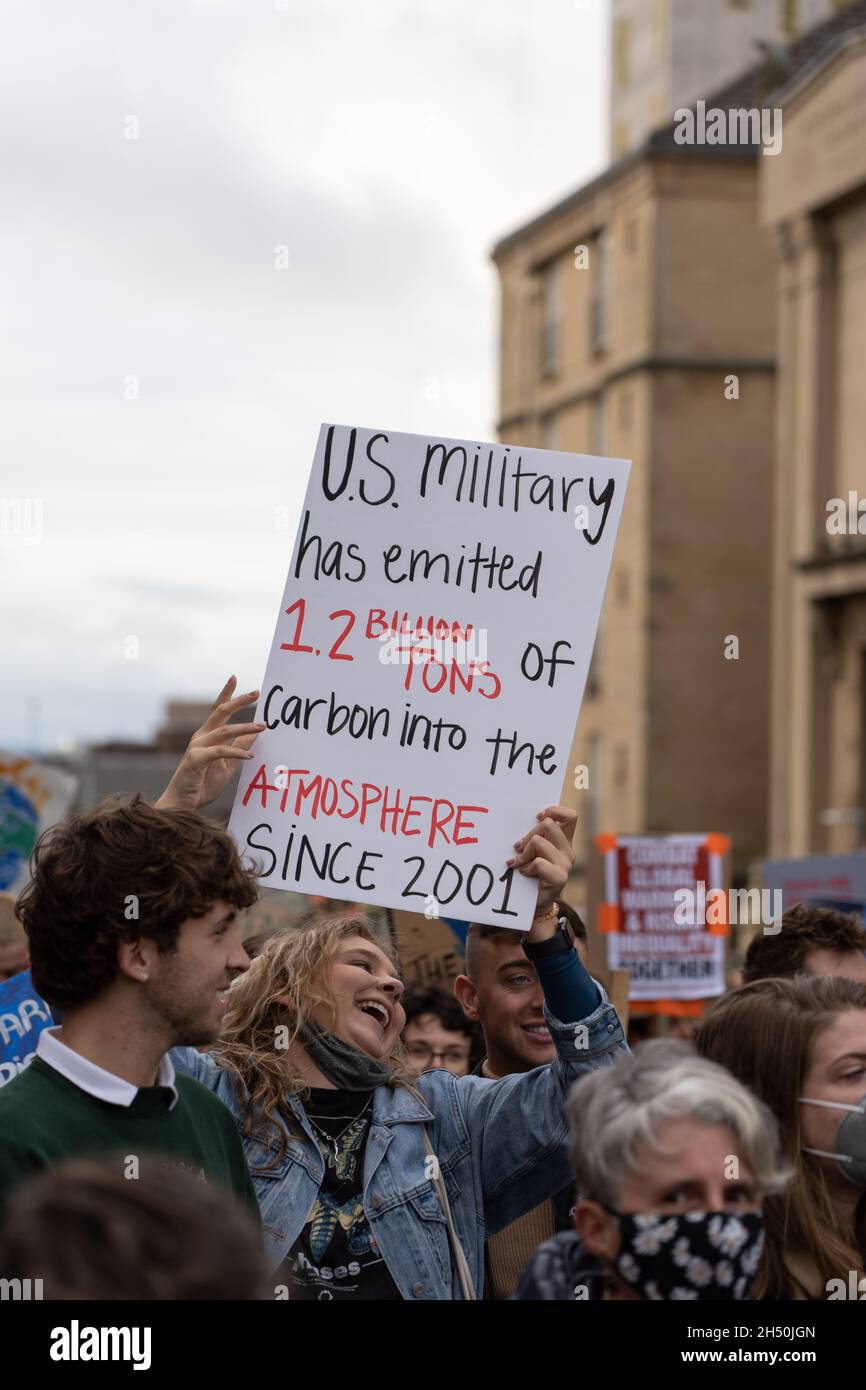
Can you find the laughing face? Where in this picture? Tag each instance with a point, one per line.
(367, 1011)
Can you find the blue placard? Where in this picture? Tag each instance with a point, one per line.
(23, 1015)
(460, 929)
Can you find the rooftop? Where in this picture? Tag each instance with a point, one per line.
(770, 82)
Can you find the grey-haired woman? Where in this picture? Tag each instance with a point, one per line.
(672, 1157)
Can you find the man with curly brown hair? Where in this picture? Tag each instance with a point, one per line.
(132, 922)
(809, 940)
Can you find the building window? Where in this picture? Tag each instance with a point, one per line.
(593, 679)
(598, 429)
(621, 41)
(600, 303)
(660, 29)
(594, 809)
(549, 346)
(661, 110)
(789, 18)
(625, 410)
(549, 431)
(620, 139)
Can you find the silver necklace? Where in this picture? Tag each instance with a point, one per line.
(334, 1141)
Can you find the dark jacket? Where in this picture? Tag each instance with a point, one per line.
(562, 1270)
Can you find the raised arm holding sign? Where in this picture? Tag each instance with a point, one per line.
(543, 852)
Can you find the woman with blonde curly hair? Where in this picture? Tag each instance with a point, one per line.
(372, 1185)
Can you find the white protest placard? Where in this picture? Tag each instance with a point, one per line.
(427, 667)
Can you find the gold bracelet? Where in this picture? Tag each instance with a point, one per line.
(552, 911)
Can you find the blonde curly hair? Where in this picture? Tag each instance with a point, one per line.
(281, 990)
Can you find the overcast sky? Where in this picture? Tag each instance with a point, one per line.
(387, 144)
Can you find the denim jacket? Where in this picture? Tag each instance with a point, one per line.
(501, 1146)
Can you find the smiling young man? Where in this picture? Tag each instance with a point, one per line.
(131, 918)
(501, 991)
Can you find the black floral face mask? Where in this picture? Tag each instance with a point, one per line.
(693, 1255)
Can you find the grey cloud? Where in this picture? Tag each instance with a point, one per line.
(387, 144)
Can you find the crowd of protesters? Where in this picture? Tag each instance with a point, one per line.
(282, 1119)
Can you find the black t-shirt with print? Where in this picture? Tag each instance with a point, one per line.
(336, 1256)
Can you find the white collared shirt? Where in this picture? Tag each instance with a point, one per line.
(96, 1081)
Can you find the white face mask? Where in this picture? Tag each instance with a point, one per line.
(850, 1151)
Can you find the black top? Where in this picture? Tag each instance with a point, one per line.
(562, 1270)
(336, 1257)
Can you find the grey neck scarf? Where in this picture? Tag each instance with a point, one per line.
(346, 1067)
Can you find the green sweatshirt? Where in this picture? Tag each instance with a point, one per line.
(44, 1119)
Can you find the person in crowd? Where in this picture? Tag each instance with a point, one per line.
(373, 1184)
(132, 922)
(683, 1027)
(673, 1160)
(811, 940)
(801, 1046)
(87, 1231)
(641, 1028)
(437, 1032)
(501, 990)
